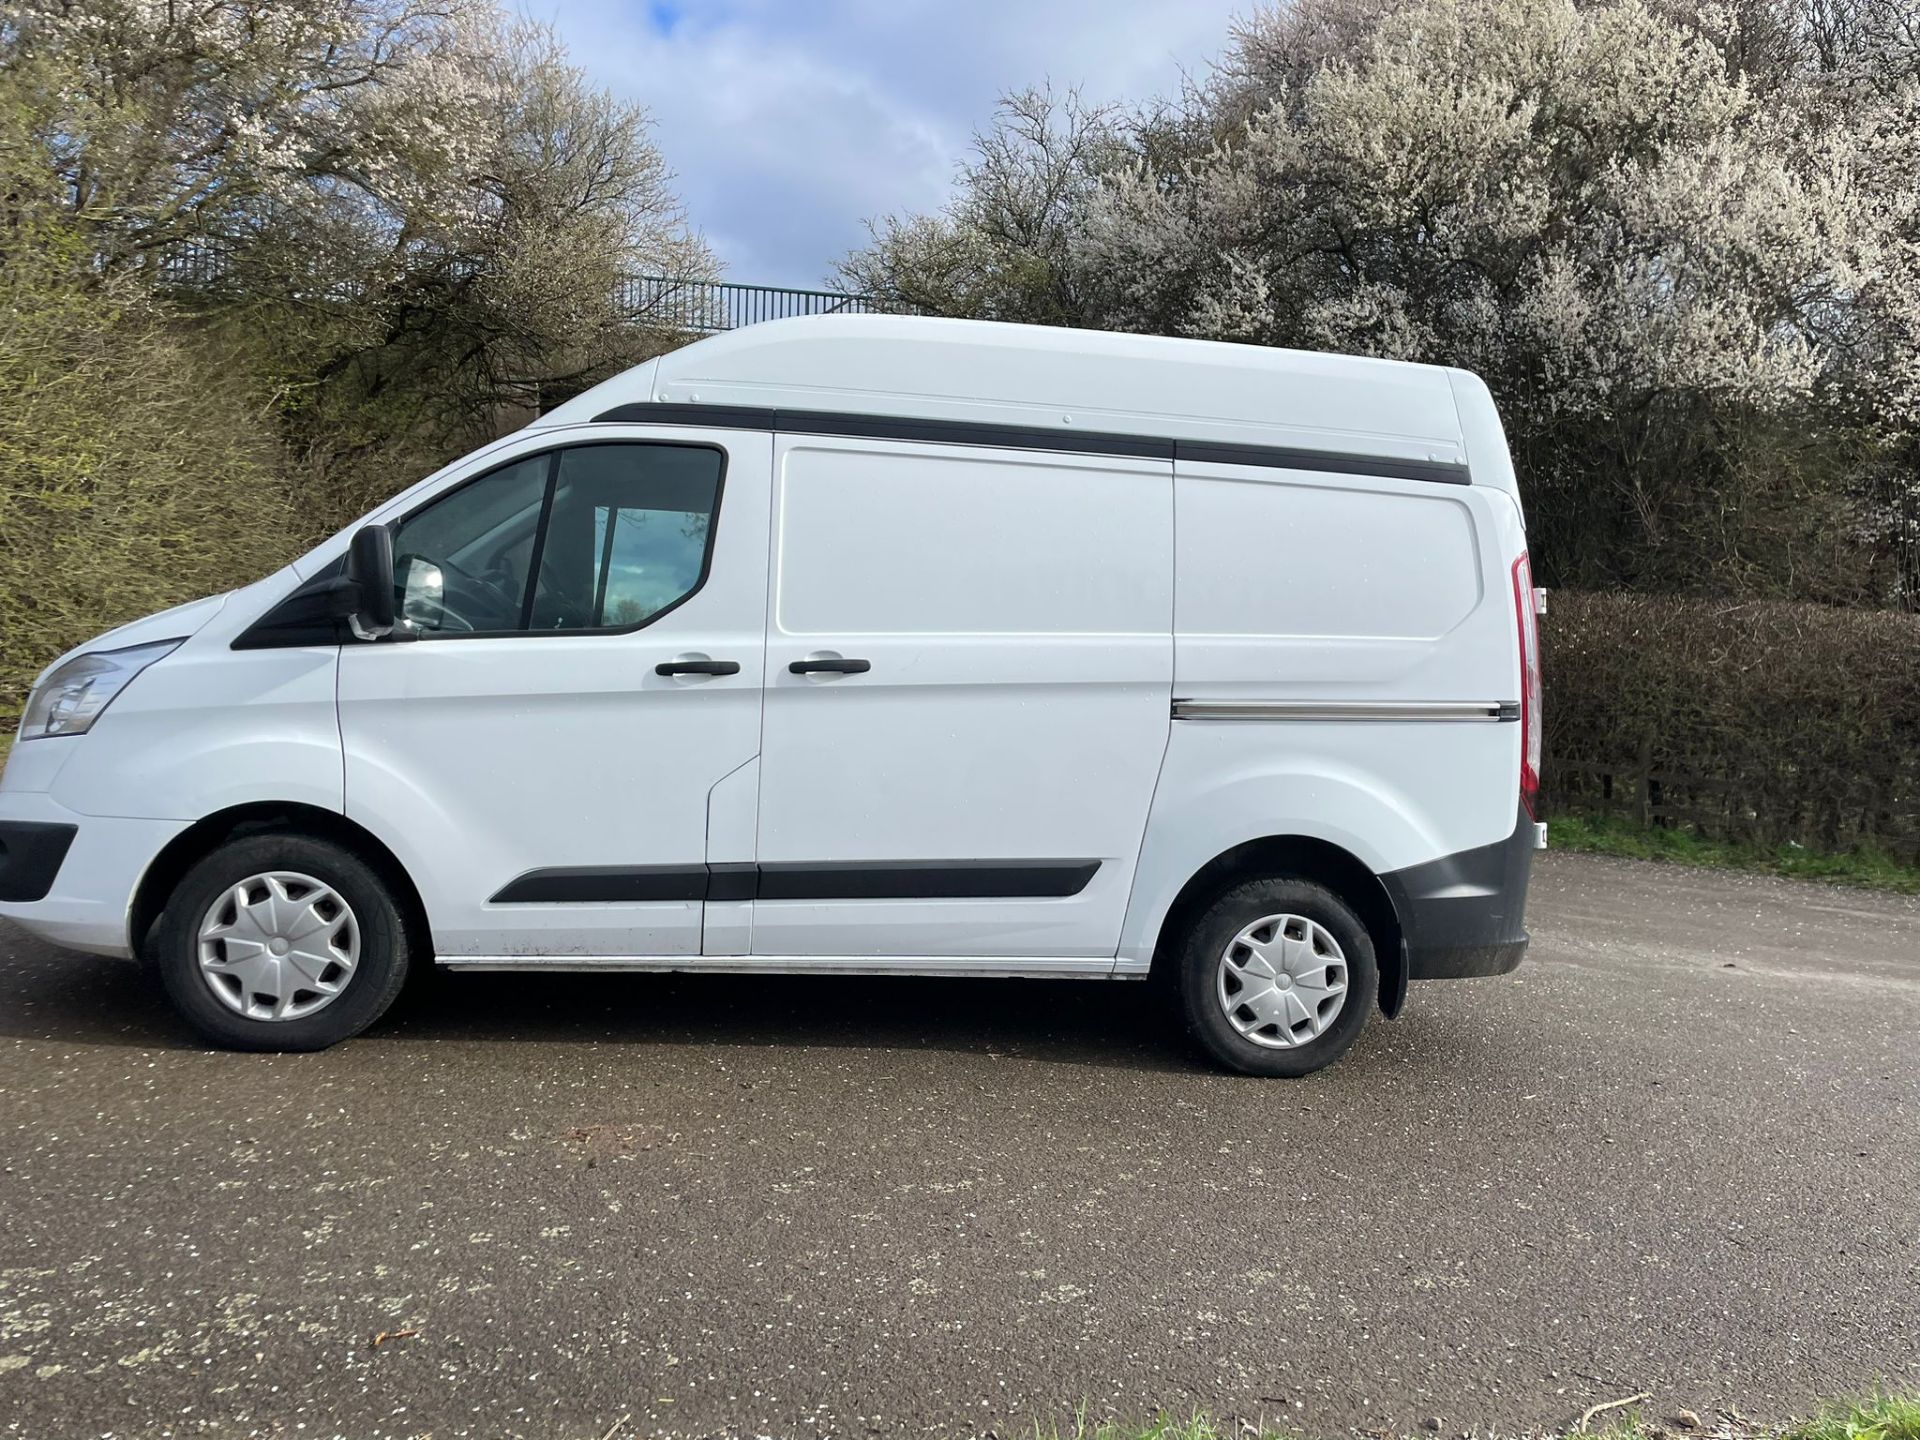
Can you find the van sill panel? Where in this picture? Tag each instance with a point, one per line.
(968, 966)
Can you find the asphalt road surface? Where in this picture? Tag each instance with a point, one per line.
(1678, 1151)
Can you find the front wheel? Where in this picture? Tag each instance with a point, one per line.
(280, 942)
(1277, 977)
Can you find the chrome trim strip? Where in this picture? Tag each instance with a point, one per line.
(1344, 710)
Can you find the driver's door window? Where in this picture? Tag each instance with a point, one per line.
(618, 534)
(460, 565)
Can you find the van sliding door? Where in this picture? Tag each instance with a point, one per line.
(969, 671)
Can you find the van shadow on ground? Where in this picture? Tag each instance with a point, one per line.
(67, 998)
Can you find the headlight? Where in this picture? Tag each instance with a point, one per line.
(69, 700)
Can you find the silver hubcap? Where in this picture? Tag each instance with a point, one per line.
(278, 946)
(1282, 981)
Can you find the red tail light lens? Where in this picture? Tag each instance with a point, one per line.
(1529, 686)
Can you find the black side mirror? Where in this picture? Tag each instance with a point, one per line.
(370, 569)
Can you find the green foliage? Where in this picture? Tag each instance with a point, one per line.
(1760, 723)
(1681, 243)
(137, 473)
(1883, 1417)
(1868, 868)
(262, 265)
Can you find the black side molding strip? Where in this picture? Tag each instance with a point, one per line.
(927, 880)
(891, 880)
(1026, 437)
(604, 883)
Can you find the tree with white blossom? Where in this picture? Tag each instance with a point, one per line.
(1687, 268)
(262, 264)
(417, 210)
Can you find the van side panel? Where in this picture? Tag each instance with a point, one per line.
(1343, 650)
(980, 789)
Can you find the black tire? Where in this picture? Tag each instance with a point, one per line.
(173, 945)
(1200, 954)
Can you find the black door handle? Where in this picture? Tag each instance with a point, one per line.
(831, 667)
(697, 667)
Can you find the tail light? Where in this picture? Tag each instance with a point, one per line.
(1523, 610)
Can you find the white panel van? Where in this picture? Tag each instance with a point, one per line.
(846, 644)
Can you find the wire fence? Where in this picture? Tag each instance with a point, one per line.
(700, 307)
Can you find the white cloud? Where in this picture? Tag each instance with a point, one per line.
(791, 122)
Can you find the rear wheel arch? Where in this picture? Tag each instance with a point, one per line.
(205, 836)
(1308, 858)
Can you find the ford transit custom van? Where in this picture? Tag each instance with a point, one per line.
(852, 644)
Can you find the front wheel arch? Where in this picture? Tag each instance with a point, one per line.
(1305, 858)
(205, 836)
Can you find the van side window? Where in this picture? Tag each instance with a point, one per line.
(619, 533)
(460, 565)
(628, 535)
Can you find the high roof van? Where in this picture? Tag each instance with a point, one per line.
(855, 644)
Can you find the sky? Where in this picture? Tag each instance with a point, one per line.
(790, 123)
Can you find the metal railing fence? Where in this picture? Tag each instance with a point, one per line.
(702, 307)
(709, 306)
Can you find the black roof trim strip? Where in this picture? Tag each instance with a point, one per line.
(1025, 437)
(1278, 457)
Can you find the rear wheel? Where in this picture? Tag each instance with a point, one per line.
(280, 942)
(1277, 977)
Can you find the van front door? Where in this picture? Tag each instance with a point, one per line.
(969, 684)
(543, 759)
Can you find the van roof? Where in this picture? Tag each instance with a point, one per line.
(1044, 378)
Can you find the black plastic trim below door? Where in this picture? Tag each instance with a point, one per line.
(602, 884)
(928, 880)
(860, 880)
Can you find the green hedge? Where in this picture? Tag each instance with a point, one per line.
(1753, 721)
(135, 472)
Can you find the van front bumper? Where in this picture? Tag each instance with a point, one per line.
(70, 878)
(1465, 914)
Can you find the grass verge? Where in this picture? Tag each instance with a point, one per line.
(1884, 1417)
(1872, 869)
(1880, 1417)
